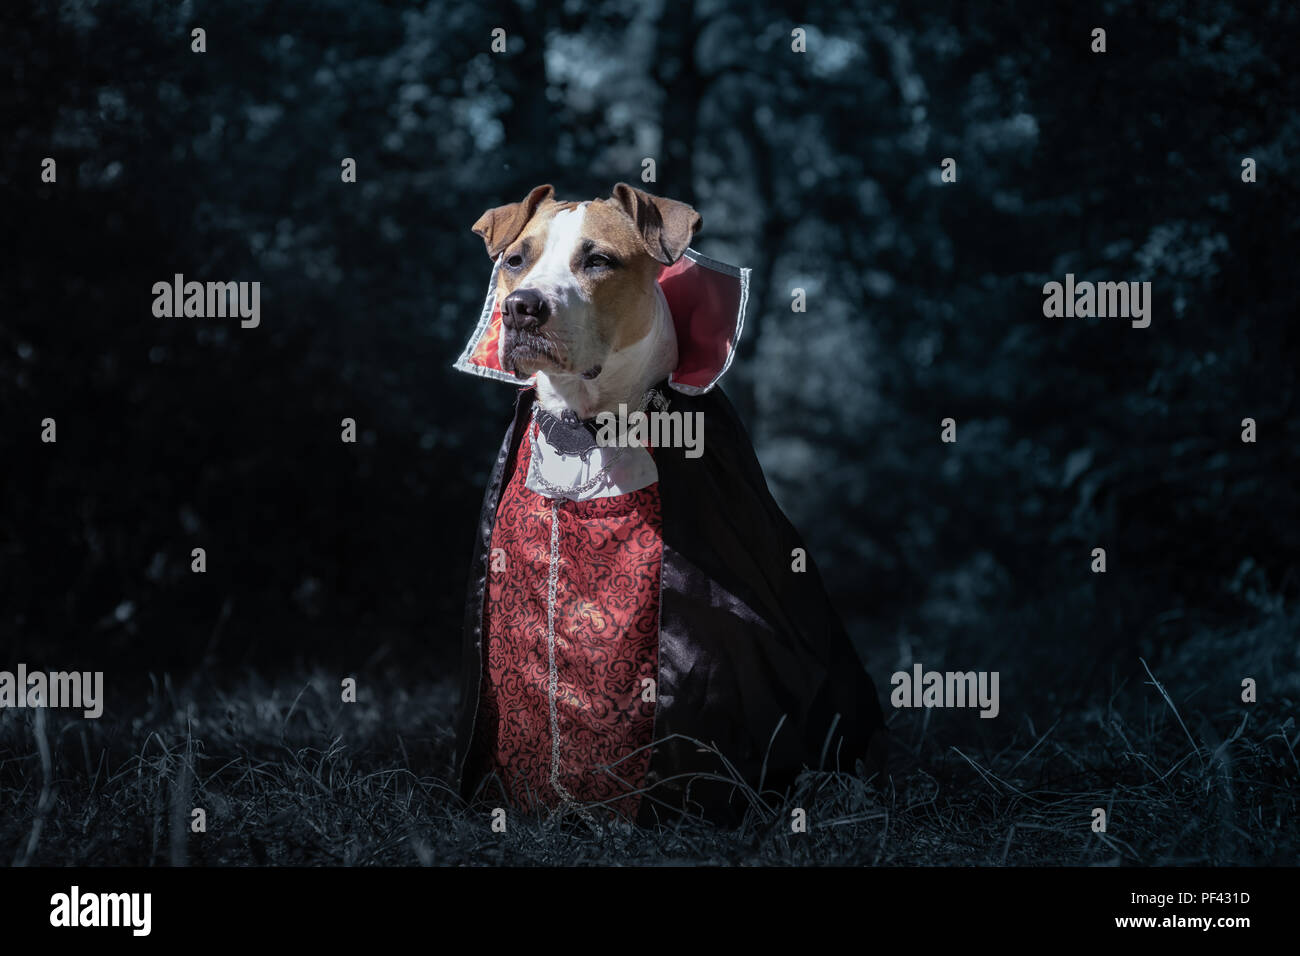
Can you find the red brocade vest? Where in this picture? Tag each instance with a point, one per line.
(570, 721)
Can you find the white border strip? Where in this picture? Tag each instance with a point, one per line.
(463, 363)
(726, 269)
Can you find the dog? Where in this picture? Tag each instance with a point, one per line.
(645, 636)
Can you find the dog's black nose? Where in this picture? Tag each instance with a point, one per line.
(525, 309)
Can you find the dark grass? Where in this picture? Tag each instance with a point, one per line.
(290, 775)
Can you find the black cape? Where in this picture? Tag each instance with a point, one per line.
(746, 643)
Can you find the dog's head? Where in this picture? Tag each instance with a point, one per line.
(577, 280)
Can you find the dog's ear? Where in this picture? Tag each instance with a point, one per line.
(666, 225)
(501, 226)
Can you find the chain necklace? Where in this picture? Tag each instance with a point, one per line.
(577, 491)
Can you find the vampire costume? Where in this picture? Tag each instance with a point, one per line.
(653, 651)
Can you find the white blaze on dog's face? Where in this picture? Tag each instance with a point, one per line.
(578, 281)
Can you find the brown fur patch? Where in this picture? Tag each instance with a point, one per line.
(623, 297)
(530, 244)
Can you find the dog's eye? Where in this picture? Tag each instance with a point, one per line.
(515, 261)
(597, 261)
